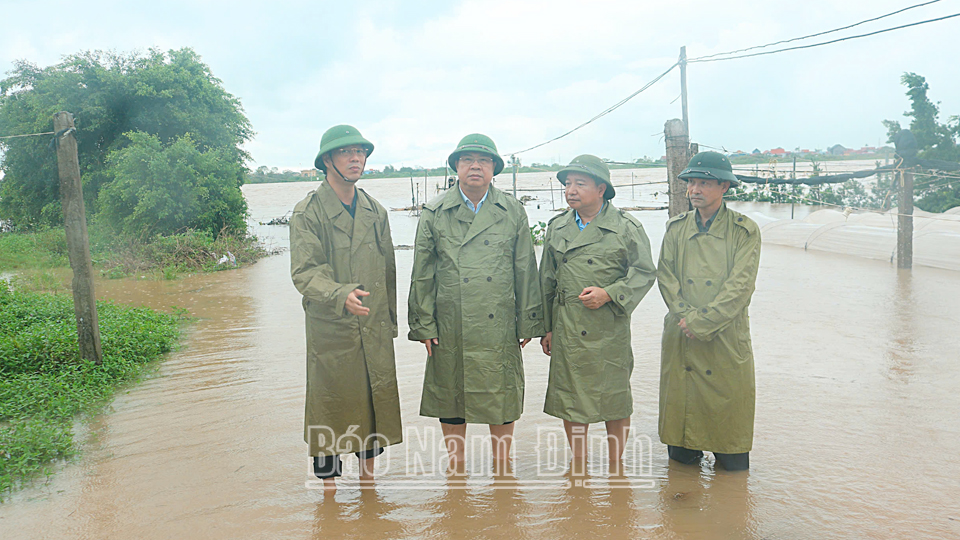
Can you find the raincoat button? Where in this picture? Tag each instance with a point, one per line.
(533, 315)
(382, 323)
(709, 283)
(709, 372)
(622, 297)
(466, 280)
(486, 242)
(489, 278)
(690, 282)
(377, 284)
(688, 368)
(681, 304)
(564, 259)
(589, 261)
(490, 316)
(704, 310)
(739, 219)
(583, 333)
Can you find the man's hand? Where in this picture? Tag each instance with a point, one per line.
(353, 303)
(594, 297)
(545, 342)
(523, 342)
(428, 343)
(683, 326)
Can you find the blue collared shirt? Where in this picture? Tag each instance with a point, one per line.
(580, 223)
(470, 203)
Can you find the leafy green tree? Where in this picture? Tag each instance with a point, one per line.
(934, 140)
(166, 94)
(159, 189)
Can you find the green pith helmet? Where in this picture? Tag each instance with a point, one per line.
(477, 142)
(338, 137)
(712, 166)
(591, 166)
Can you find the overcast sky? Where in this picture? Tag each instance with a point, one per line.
(414, 77)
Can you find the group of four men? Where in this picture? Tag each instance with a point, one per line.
(477, 297)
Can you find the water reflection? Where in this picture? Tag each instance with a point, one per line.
(697, 502)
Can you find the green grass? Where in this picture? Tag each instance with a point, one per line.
(44, 385)
(165, 257)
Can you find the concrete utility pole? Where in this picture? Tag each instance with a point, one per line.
(683, 90)
(516, 163)
(905, 220)
(678, 155)
(78, 244)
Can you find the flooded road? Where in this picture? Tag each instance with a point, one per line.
(858, 384)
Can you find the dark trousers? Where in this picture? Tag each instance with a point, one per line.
(330, 466)
(730, 462)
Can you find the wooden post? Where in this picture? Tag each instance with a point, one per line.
(678, 148)
(78, 244)
(515, 163)
(905, 221)
(553, 205)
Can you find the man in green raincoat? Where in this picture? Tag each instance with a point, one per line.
(342, 262)
(707, 275)
(596, 267)
(474, 301)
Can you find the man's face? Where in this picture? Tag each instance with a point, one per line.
(704, 193)
(475, 170)
(349, 160)
(582, 191)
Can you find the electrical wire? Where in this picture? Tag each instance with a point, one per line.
(602, 114)
(781, 42)
(27, 135)
(703, 59)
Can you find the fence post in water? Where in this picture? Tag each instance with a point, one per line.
(905, 220)
(515, 163)
(678, 147)
(78, 244)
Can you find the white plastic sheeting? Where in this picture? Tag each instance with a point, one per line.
(936, 237)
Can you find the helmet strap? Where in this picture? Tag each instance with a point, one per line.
(342, 177)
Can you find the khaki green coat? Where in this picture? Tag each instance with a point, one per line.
(475, 287)
(591, 358)
(351, 375)
(707, 389)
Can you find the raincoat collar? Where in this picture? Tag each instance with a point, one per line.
(717, 229)
(568, 230)
(356, 226)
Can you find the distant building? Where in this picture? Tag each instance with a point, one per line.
(756, 152)
(309, 173)
(837, 150)
(776, 152)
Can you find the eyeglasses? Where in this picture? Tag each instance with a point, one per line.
(483, 161)
(350, 152)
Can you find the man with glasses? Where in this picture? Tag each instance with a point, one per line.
(707, 275)
(342, 262)
(474, 302)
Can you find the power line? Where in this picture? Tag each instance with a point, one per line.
(27, 135)
(814, 35)
(602, 114)
(704, 59)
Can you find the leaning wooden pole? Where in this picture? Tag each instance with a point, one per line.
(78, 245)
(905, 220)
(678, 148)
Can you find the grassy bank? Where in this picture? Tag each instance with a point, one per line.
(44, 385)
(113, 256)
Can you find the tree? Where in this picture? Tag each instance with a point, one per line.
(169, 95)
(934, 140)
(161, 190)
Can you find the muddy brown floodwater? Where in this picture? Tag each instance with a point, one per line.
(858, 388)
